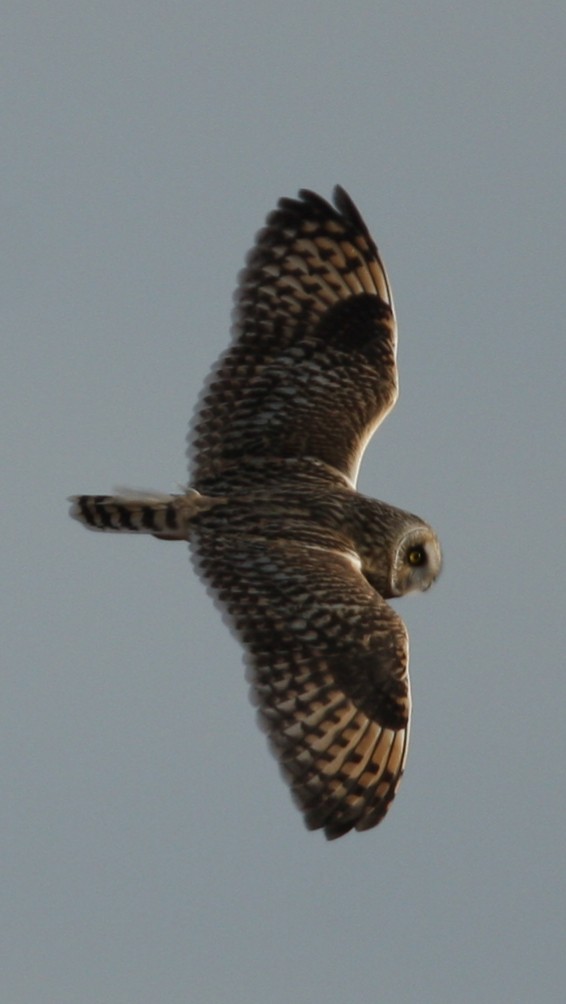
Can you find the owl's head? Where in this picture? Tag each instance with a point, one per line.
(417, 561)
(399, 552)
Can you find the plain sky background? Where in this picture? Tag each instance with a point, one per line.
(150, 851)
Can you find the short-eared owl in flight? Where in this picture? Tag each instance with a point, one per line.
(299, 560)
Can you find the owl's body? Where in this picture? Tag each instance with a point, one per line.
(303, 563)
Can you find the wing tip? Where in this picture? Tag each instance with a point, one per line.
(342, 206)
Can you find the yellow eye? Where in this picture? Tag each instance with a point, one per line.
(417, 556)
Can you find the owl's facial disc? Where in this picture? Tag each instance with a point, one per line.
(418, 561)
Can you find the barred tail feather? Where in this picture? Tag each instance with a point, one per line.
(164, 516)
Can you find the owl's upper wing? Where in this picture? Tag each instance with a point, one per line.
(328, 662)
(312, 367)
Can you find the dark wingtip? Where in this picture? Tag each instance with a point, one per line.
(342, 207)
(348, 209)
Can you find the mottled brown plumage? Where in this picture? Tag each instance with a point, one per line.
(298, 559)
(311, 371)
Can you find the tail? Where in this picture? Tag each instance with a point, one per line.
(164, 516)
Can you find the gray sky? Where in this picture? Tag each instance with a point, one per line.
(150, 851)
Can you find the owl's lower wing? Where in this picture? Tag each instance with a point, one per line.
(311, 371)
(328, 664)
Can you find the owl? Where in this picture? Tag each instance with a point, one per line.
(302, 564)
